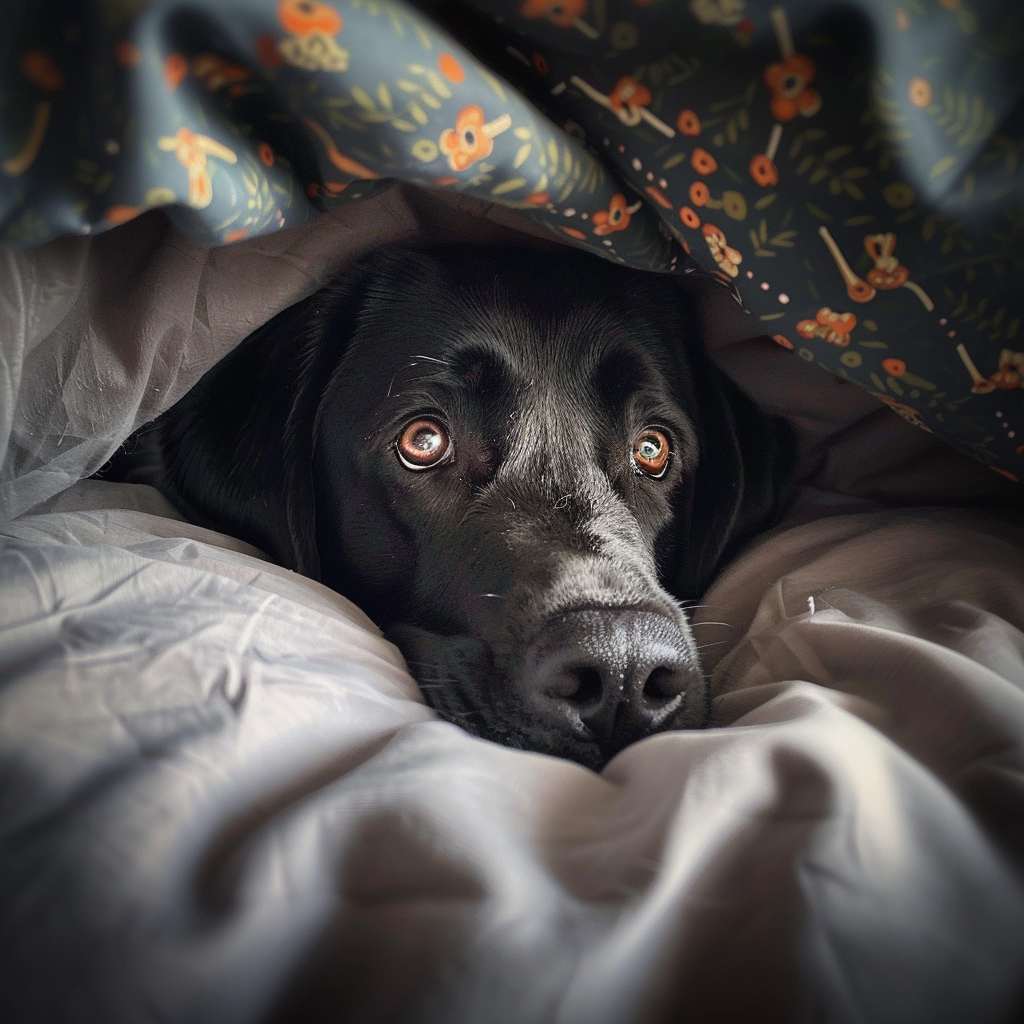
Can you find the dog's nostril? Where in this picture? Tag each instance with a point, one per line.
(579, 684)
(662, 684)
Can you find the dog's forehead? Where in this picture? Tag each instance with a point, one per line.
(559, 319)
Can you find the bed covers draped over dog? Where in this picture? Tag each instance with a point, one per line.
(853, 168)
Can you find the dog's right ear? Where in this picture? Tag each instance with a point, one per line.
(235, 454)
(743, 481)
(747, 457)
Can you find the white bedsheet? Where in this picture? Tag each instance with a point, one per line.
(223, 799)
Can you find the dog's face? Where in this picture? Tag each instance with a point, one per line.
(499, 459)
(498, 463)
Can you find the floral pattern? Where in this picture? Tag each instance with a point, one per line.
(616, 217)
(789, 81)
(852, 171)
(471, 139)
(192, 151)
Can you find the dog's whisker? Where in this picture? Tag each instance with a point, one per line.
(707, 623)
(431, 359)
(423, 377)
(500, 597)
(704, 647)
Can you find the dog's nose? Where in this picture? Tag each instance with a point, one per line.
(614, 676)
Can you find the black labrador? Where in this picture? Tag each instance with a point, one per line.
(519, 464)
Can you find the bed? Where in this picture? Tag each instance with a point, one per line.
(224, 799)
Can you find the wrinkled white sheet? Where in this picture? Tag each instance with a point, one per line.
(223, 799)
(100, 335)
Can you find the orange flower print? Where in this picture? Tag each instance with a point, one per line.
(919, 92)
(301, 17)
(789, 81)
(688, 123)
(781, 339)
(451, 69)
(266, 154)
(894, 367)
(763, 170)
(192, 151)
(628, 92)
(562, 13)
(727, 258)
(699, 194)
(1009, 375)
(887, 272)
(835, 328)
(616, 217)
(703, 162)
(689, 217)
(470, 139)
(312, 27)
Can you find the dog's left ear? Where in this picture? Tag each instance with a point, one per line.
(235, 453)
(747, 459)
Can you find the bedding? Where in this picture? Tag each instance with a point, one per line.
(852, 168)
(225, 800)
(222, 797)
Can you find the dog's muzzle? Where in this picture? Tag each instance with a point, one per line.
(612, 676)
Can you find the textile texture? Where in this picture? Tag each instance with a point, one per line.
(224, 799)
(853, 169)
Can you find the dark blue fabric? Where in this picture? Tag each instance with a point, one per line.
(854, 169)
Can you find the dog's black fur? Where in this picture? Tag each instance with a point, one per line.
(532, 577)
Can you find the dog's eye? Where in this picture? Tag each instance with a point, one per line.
(650, 452)
(423, 444)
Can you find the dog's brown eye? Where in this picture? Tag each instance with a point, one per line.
(422, 444)
(650, 452)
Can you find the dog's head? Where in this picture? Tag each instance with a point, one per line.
(518, 464)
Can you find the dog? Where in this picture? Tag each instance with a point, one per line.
(520, 464)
